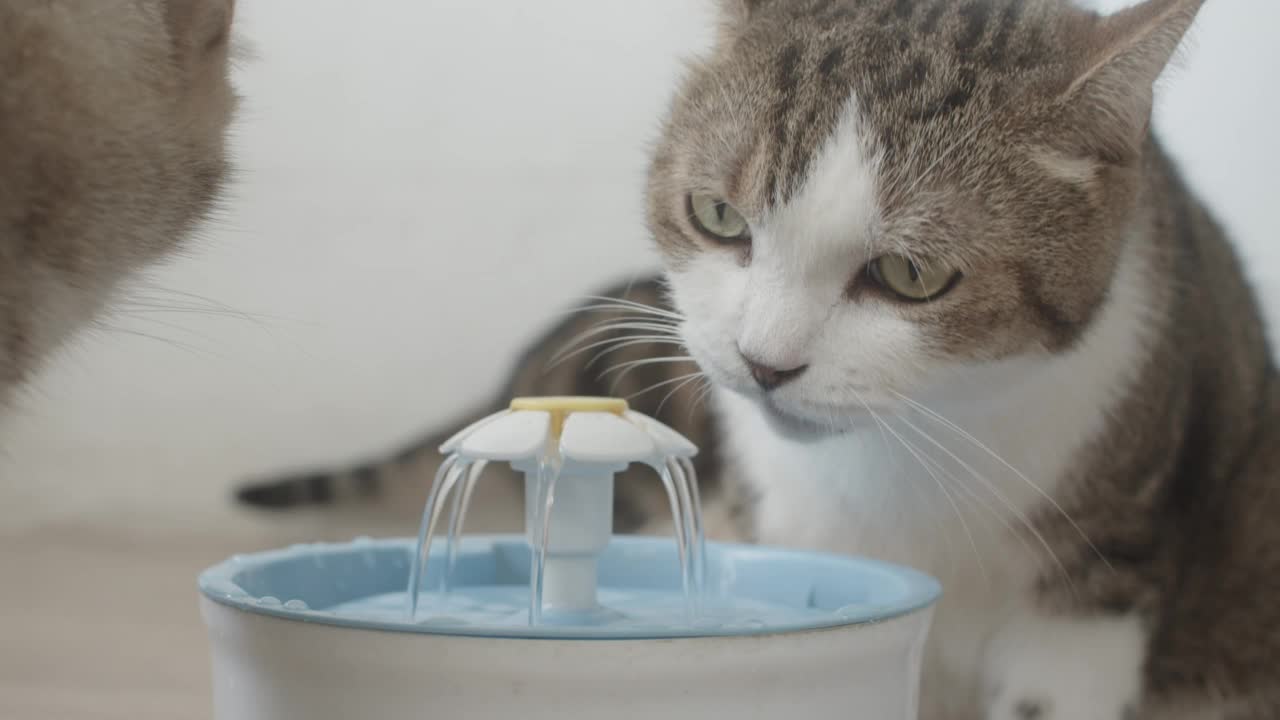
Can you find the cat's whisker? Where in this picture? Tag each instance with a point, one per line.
(613, 314)
(627, 341)
(991, 487)
(626, 368)
(193, 349)
(941, 486)
(134, 302)
(148, 313)
(608, 327)
(169, 325)
(634, 323)
(1001, 517)
(138, 307)
(674, 390)
(964, 523)
(701, 397)
(198, 300)
(664, 383)
(983, 508)
(936, 417)
(631, 323)
(610, 345)
(967, 492)
(632, 304)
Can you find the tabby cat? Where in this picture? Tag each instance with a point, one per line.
(113, 116)
(960, 311)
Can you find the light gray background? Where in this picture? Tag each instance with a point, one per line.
(424, 183)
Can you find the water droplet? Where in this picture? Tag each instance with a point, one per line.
(296, 605)
(269, 601)
(754, 624)
(849, 612)
(362, 540)
(238, 559)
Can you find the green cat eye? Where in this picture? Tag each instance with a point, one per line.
(717, 219)
(910, 280)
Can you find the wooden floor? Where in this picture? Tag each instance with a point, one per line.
(101, 622)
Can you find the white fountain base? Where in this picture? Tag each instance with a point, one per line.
(846, 640)
(266, 668)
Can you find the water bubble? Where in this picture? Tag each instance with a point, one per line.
(269, 601)
(296, 605)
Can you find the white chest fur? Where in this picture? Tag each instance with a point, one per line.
(919, 491)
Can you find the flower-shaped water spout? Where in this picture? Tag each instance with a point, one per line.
(569, 450)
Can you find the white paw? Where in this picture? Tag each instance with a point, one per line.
(1057, 669)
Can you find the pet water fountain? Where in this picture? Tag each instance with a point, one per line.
(566, 620)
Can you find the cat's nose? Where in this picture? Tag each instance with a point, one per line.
(771, 378)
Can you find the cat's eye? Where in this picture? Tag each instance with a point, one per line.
(718, 219)
(911, 280)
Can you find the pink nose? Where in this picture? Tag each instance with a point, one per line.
(770, 378)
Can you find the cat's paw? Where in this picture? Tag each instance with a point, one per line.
(1065, 669)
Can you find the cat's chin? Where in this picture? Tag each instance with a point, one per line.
(797, 427)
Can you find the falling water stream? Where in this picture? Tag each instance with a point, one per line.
(677, 477)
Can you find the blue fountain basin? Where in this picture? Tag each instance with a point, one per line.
(362, 584)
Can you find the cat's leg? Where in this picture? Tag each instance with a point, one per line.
(1039, 667)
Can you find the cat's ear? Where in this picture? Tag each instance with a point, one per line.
(198, 27)
(1110, 97)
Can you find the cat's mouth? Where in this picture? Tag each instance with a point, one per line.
(813, 421)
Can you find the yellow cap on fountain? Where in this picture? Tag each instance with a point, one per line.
(560, 408)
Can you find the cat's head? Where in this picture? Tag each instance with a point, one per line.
(112, 122)
(857, 199)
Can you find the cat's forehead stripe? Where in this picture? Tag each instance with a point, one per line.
(834, 203)
(914, 64)
(807, 96)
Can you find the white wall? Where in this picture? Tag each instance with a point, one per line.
(424, 183)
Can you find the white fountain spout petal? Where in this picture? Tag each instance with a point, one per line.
(516, 436)
(451, 445)
(672, 443)
(604, 438)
